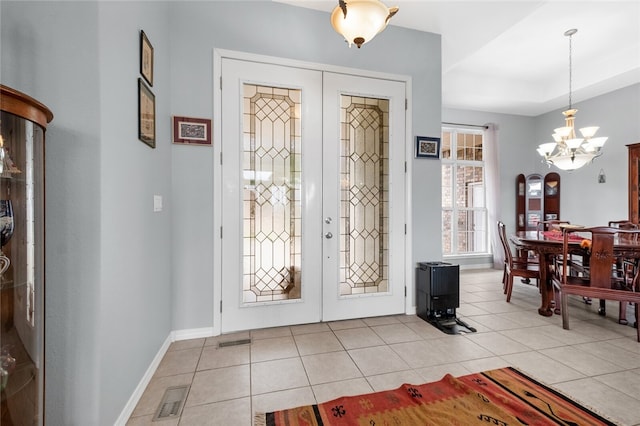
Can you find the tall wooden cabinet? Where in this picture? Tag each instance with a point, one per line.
(537, 199)
(23, 121)
(634, 182)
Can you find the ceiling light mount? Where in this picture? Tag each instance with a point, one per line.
(569, 152)
(358, 21)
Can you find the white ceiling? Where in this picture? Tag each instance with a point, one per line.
(512, 56)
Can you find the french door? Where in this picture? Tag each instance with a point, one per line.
(313, 203)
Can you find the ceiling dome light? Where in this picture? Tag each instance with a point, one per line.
(358, 21)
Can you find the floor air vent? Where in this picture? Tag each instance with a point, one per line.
(234, 343)
(172, 402)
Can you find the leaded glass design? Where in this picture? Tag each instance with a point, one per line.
(364, 198)
(272, 221)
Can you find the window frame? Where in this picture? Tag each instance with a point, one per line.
(454, 210)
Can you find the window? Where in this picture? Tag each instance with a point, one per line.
(464, 211)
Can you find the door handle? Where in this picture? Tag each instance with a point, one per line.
(327, 220)
(328, 235)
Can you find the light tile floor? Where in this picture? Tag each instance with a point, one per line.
(597, 362)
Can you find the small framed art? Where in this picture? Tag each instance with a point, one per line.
(191, 131)
(146, 58)
(146, 114)
(427, 147)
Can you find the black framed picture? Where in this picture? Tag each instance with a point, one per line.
(146, 114)
(427, 147)
(146, 58)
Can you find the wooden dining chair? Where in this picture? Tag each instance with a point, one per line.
(624, 269)
(515, 266)
(574, 263)
(600, 280)
(549, 225)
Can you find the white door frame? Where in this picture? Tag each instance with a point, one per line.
(218, 54)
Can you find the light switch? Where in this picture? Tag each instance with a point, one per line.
(157, 203)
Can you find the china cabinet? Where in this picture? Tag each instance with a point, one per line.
(23, 121)
(537, 200)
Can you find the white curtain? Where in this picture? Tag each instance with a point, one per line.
(492, 169)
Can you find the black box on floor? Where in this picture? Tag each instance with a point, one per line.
(437, 289)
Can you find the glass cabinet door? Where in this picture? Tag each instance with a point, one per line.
(21, 261)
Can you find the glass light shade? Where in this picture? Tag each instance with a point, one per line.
(557, 137)
(574, 143)
(365, 19)
(563, 131)
(569, 163)
(548, 147)
(598, 142)
(588, 132)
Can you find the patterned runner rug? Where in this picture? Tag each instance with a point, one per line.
(497, 397)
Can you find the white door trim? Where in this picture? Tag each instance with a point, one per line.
(218, 54)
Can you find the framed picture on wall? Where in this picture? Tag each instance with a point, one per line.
(191, 131)
(427, 147)
(146, 114)
(146, 58)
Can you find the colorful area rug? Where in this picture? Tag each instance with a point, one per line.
(497, 397)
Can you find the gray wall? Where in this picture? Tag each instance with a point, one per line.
(135, 275)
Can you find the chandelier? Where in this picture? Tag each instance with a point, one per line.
(358, 21)
(569, 152)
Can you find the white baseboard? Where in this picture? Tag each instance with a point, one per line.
(193, 333)
(173, 336)
(144, 382)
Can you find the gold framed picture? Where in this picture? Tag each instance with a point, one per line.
(146, 114)
(146, 58)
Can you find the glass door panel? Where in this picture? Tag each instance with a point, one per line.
(364, 181)
(364, 160)
(272, 195)
(271, 214)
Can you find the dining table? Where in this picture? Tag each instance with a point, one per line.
(548, 245)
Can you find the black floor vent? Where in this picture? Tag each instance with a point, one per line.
(234, 343)
(172, 403)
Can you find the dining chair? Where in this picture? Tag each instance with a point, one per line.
(549, 225)
(515, 266)
(624, 268)
(600, 280)
(574, 263)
